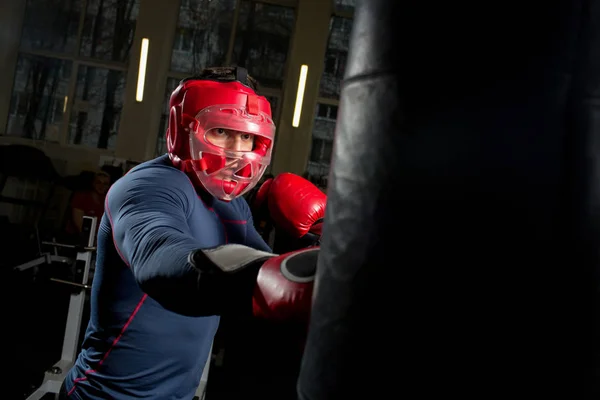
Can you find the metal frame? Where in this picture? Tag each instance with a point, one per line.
(54, 377)
(46, 258)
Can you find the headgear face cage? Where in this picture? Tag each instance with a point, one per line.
(199, 109)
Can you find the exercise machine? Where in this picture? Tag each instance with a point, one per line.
(54, 376)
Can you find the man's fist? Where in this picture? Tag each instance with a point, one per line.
(284, 287)
(295, 204)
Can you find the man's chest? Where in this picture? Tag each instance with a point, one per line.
(214, 226)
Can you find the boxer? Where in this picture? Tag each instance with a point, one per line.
(177, 248)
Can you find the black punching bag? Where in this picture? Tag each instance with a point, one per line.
(462, 238)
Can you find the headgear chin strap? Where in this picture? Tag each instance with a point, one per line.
(199, 106)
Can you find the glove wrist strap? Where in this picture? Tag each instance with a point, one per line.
(228, 258)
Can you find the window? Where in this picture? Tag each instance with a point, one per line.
(329, 91)
(38, 78)
(96, 107)
(184, 42)
(202, 36)
(108, 29)
(247, 33)
(344, 6)
(335, 57)
(206, 36)
(321, 150)
(324, 124)
(318, 166)
(45, 22)
(327, 111)
(262, 41)
(70, 76)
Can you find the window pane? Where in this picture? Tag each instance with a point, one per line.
(322, 110)
(327, 151)
(262, 41)
(161, 143)
(322, 142)
(38, 97)
(335, 57)
(316, 149)
(344, 5)
(325, 118)
(97, 107)
(317, 173)
(108, 29)
(202, 36)
(327, 111)
(51, 25)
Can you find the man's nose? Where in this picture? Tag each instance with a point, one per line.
(236, 143)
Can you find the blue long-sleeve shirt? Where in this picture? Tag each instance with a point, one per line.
(149, 335)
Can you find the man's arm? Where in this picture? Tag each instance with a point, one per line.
(148, 214)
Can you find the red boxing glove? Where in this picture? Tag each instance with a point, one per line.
(260, 199)
(284, 287)
(295, 204)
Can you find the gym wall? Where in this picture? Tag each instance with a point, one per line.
(86, 78)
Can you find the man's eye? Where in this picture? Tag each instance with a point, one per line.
(220, 131)
(246, 137)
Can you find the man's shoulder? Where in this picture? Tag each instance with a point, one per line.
(153, 177)
(160, 169)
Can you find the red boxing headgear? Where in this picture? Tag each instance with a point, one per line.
(199, 105)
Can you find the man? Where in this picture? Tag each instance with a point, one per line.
(177, 247)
